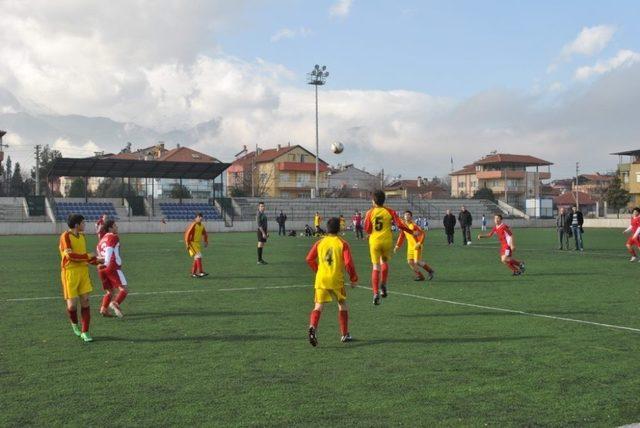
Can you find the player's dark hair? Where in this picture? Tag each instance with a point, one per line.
(379, 197)
(74, 219)
(261, 203)
(333, 225)
(108, 224)
(636, 209)
(199, 214)
(499, 215)
(410, 213)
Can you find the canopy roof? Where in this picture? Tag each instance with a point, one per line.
(100, 167)
(628, 153)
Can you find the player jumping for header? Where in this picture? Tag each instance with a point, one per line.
(414, 248)
(329, 257)
(377, 224)
(508, 245)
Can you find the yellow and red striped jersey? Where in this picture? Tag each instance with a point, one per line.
(411, 237)
(329, 257)
(194, 233)
(378, 221)
(73, 251)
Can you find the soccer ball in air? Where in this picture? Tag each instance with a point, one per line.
(337, 148)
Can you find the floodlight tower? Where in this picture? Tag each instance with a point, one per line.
(317, 77)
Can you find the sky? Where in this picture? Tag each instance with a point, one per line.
(412, 84)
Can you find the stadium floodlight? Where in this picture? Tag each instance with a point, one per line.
(317, 77)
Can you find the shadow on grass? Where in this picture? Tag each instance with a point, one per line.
(159, 315)
(490, 313)
(200, 338)
(436, 340)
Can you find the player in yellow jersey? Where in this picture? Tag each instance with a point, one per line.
(316, 223)
(194, 234)
(343, 225)
(329, 257)
(76, 283)
(415, 243)
(377, 224)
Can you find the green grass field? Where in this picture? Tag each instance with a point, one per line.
(231, 349)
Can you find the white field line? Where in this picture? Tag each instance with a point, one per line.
(415, 296)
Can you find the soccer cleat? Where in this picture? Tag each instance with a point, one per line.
(376, 299)
(116, 309)
(105, 313)
(76, 329)
(383, 289)
(522, 269)
(86, 337)
(313, 340)
(633, 259)
(346, 338)
(262, 262)
(193, 275)
(418, 277)
(203, 274)
(430, 275)
(516, 273)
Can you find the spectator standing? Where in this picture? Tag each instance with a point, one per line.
(563, 226)
(577, 220)
(281, 220)
(484, 223)
(357, 224)
(449, 223)
(465, 220)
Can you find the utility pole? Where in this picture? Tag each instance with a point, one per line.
(577, 194)
(38, 169)
(317, 77)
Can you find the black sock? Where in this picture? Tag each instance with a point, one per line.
(259, 253)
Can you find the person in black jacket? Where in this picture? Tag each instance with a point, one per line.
(281, 219)
(576, 220)
(465, 220)
(449, 222)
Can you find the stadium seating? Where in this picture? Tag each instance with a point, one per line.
(90, 210)
(174, 211)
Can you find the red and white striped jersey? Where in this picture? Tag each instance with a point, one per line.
(109, 249)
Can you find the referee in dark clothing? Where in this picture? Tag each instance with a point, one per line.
(261, 220)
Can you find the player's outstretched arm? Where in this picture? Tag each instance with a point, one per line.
(312, 257)
(399, 242)
(368, 226)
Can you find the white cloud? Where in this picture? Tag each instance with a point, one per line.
(340, 8)
(287, 33)
(590, 41)
(623, 58)
(74, 150)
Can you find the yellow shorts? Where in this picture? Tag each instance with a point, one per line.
(194, 249)
(75, 282)
(413, 254)
(323, 295)
(380, 250)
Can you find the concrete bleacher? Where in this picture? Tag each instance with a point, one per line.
(304, 209)
(176, 211)
(90, 210)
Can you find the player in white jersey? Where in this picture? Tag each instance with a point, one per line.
(111, 271)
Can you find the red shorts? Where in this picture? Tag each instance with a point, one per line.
(506, 251)
(111, 279)
(633, 241)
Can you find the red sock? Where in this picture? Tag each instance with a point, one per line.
(343, 319)
(385, 273)
(513, 265)
(516, 262)
(106, 299)
(426, 267)
(122, 294)
(85, 313)
(314, 318)
(194, 267)
(73, 315)
(632, 251)
(199, 264)
(375, 280)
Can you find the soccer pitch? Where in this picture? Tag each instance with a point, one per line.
(557, 346)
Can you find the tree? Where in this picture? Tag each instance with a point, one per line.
(485, 193)
(77, 189)
(16, 185)
(615, 195)
(114, 188)
(7, 177)
(2, 179)
(180, 191)
(47, 157)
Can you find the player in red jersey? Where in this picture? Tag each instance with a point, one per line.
(634, 239)
(508, 245)
(100, 226)
(110, 271)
